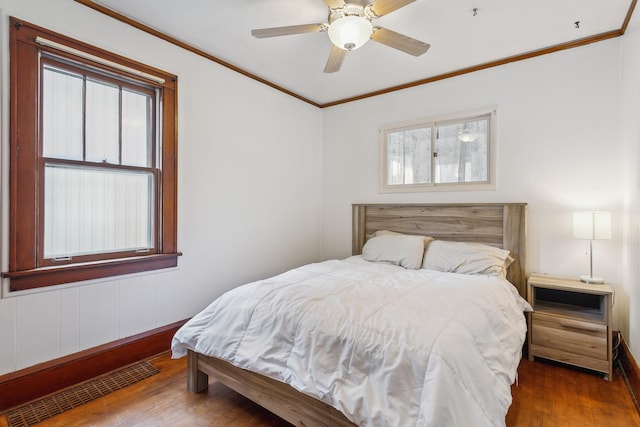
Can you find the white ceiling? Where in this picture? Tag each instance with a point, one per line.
(501, 29)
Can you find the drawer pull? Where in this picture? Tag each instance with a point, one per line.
(579, 327)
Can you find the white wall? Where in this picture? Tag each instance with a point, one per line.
(562, 146)
(559, 150)
(630, 137)
(249, 196)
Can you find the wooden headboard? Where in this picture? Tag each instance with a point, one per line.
(498, 224)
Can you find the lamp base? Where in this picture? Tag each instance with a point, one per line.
(589, 279)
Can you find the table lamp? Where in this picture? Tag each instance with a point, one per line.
(593, 225)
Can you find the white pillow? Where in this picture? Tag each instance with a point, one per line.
(427, 239)
(466, 258)
(402, 250)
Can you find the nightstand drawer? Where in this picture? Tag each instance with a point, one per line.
(571, 335)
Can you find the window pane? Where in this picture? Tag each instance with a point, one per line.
(409, 156)
(102, 123)
(62, 114)
(136, 129)
(93, 211)
(462, 150)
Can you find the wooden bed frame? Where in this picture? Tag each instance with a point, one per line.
(503, 225)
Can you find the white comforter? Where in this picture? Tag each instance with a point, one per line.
(384, 345)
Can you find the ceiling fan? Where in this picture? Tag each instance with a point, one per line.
(350, 27)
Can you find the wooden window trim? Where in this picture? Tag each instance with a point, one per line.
(25, 272)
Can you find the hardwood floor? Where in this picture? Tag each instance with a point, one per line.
(547, 395)
(555, 396)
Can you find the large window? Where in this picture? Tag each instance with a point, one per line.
(455, 152)
(93, 162)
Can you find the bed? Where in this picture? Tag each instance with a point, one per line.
(311, 384)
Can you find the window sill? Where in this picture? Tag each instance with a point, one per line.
(421, 188)
(57, 275)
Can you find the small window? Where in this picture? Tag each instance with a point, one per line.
(452, 153)
(93, 162)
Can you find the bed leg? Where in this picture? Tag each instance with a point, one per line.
(197, 381)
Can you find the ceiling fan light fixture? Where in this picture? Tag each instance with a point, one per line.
(350, 32)
(466, 135)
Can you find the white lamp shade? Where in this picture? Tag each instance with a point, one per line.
(592, 225)
(350, 32)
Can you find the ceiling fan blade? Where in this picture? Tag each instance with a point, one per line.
(335, 59)
(287, 31)
(334, 4)
(384, 7)
(399, 41)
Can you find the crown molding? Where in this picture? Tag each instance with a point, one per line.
(515, 58)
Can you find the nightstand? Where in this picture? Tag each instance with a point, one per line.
(571, 322)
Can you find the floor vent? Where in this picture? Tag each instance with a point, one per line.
(75, 396)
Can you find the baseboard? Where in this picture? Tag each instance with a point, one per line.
(23, 386)
(631, 369)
